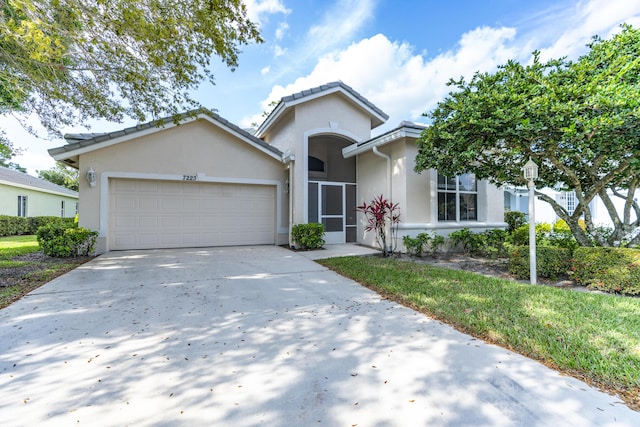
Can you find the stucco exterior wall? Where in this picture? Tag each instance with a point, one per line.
(417, 194)
(197, 149)
(39, 203)
(332, 114)
(372, 182)
(283, 134)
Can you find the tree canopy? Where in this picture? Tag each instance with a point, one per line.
(62, 175)
(7, 151)
(578, 120)
(69, 60)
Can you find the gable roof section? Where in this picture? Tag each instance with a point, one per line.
(378, 116)
(22, 180)
(405, 129)
(80, 143)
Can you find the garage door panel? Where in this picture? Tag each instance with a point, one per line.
(122, 186)
(193, 204)
(157, 214)
(148, 221)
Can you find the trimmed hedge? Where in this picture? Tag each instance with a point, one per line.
(13, 225)
(551, 261)
(63, 241)
(17, 225)
(308, 236)
(608, 269)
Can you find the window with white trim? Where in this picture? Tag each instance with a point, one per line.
(457, 198)
(569, 201)
(62, 209)
(22, 206)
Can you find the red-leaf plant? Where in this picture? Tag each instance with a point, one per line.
(382, 213)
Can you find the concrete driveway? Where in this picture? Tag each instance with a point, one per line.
(260, 336)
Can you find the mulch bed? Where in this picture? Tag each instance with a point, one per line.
(37, 270)
(488, 267)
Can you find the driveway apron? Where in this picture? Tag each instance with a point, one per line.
(260, 335)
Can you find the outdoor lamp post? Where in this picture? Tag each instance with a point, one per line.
(530, 174)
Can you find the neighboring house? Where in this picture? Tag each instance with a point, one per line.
(207, 182)
(28, 196)
(517, 199)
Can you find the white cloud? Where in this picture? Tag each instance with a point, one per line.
(399, 81)
(405, 84)
(265, 70)
(279, 50)
(338, 26)
(282, 28)
(568, 33)
(257, 10)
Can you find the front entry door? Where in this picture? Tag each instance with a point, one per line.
(333, 205)
(332, 212)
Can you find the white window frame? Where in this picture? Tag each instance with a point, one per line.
(457, 193)
(22, 205)
(62, 208)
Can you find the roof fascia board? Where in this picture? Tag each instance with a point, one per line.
(86, 149)
(38, 189)
(355, 149)
(271, 119)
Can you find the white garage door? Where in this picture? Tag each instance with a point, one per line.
(148, 214)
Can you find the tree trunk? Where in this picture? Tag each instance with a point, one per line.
(580, 235)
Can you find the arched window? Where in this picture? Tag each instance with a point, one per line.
(316, 165)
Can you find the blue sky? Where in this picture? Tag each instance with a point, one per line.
(397, 53)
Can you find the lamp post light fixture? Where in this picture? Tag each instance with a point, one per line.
(530, 174)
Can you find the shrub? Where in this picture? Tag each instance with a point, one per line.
(16, 225)
(61, 240)
(416, 246)
(561, 226)
(465, 238)
(40, 221)
(608, 269)
(382, 213)
(551, 262)
(13, 225)
(489, 243)
(514, 219)
(520, 236)
(436, 242)
(413, 245)
(308, 236)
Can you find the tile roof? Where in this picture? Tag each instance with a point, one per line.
(331, 85)
(19, 178)
(81, 140)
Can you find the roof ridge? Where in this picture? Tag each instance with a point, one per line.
(22, 178)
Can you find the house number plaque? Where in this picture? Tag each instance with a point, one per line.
(189, 177)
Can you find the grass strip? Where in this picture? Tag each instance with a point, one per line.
(593, 337)
(13, 246)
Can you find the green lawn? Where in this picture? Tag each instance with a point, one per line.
(17, 245)
(591, 336)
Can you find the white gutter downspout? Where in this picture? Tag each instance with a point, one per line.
(387, 157)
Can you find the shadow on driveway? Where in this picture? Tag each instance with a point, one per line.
(259, 335)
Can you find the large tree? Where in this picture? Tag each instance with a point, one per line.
(7, 151)
(578, 120)
(70, 60)
(62, 175)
